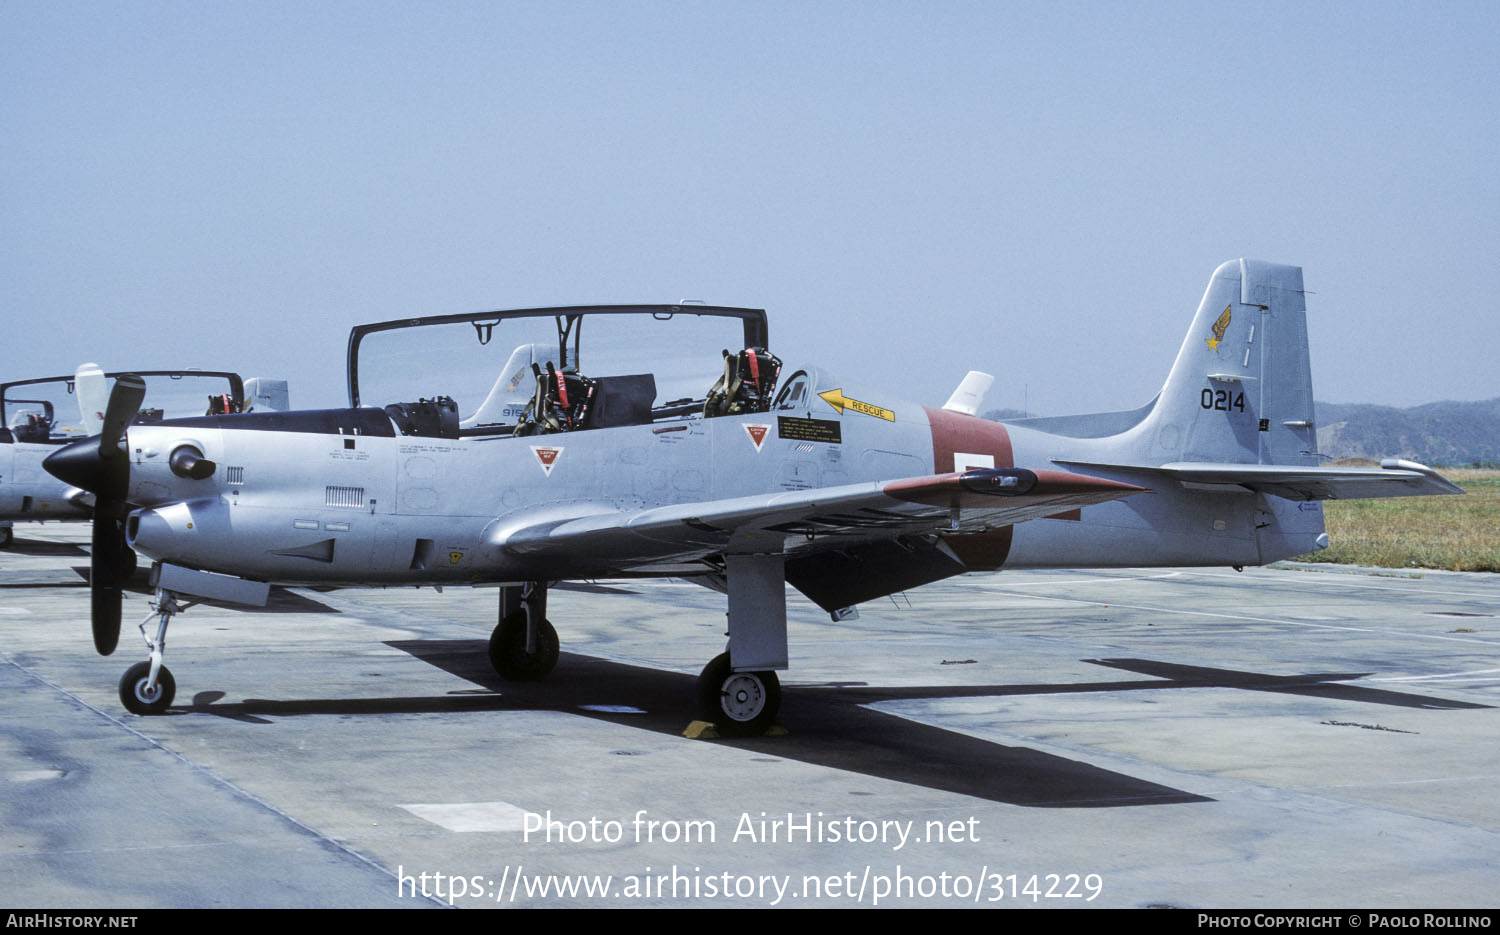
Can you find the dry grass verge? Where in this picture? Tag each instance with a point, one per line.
(1455, 533)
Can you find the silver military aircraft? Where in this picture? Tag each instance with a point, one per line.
(535, 446)
(39, 416)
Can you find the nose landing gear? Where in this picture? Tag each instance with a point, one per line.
(148, 687)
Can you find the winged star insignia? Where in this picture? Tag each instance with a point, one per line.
(1220, 326)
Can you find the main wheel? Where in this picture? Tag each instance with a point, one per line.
(508, 649)
(137, 699)
(740, 704)
(7, 535)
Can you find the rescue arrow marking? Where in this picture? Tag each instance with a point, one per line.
(839, 401)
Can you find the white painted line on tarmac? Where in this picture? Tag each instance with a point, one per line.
(1277, 620)
(1069, 581)
(1446, 675)
(1362, 582)
(472, 816)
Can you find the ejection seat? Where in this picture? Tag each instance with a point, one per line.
(221, 404)
(748, 384)
(562, 402)
(31, 427)
(567, 402)
(427, 418)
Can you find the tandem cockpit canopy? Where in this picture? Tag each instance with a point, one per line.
(56, 410)
(536, 371)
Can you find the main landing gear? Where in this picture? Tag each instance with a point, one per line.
(738, 692)
(739, 704)
(523, 646)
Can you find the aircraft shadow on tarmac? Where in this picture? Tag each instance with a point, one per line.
(830, 725)
(45, 547)
(281, 600)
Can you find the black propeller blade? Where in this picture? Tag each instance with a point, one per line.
(103, 469)
(106, 581)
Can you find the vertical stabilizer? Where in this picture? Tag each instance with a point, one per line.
(92, 388)
(1241, 388)
(263, 394)
(513, 388)
(969, 394)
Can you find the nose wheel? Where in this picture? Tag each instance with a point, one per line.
(740, 704)
(141, 695)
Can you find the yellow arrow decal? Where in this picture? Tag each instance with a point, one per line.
(839, 401)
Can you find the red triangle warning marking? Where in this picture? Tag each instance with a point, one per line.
(757, 433)
(546, 457)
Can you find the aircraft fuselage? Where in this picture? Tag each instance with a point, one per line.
(27, 492)
(354, 503)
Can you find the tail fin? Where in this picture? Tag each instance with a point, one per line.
(92, 388)
(1237, 411)
(1240, 391)
(513, 389)
(264, 394)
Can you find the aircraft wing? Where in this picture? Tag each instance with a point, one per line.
(1394, 478)
(597, 542)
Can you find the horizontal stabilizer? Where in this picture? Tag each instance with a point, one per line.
(1394, 478)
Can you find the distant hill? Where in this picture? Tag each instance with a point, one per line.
(1443, 434)
(1002, 415)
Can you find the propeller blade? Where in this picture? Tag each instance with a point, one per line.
(100, 467)
(103, 469)
(124, 402)
(105, 582)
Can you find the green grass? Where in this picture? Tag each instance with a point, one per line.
(1455, 533)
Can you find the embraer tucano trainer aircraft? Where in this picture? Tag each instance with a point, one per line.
(540, 445)
(39, 416)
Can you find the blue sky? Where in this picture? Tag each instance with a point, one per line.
(911, 190)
